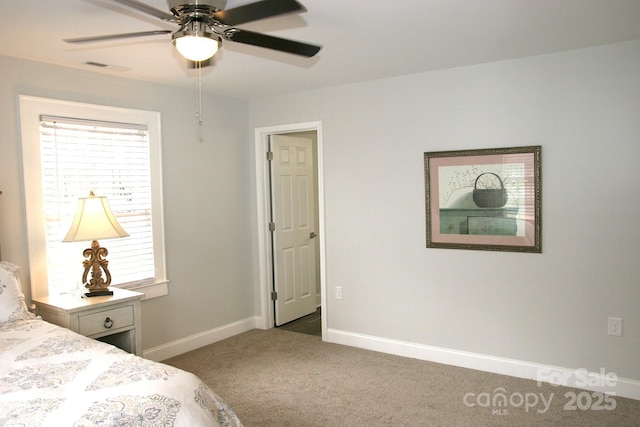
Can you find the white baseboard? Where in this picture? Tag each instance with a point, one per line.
(192, 342)
(592, 381)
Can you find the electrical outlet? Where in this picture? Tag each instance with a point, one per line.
(338, 293)
(615, 326)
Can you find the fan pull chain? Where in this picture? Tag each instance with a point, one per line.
(199, 100)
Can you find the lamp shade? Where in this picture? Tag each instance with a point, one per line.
(94, 221)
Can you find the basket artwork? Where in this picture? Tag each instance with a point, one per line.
(489, 197)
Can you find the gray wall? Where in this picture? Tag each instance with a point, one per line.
(551, 308)
(206, 197)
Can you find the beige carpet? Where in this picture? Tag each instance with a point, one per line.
(279, 378)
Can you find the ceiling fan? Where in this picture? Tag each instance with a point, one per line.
(204, 24)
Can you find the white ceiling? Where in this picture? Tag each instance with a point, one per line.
(361, 39)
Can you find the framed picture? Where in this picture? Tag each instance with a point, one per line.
(487, 199)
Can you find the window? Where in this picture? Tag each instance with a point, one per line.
(70, 149)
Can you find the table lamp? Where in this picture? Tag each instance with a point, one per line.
(94, 220)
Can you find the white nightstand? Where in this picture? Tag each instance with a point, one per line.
(114, 319)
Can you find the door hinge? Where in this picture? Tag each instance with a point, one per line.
(269, 155)
(272, 226)
(274, 295)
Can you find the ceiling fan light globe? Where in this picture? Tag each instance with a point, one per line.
(197, 48)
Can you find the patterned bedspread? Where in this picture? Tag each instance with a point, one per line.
(50, 376)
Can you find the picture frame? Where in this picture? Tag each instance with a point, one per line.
(486, 199)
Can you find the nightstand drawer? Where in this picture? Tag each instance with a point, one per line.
(106, 320)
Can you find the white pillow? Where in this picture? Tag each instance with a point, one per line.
(12, 306)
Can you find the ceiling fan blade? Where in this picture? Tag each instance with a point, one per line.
(116, 36)
(149, 10)
(271, 42)
(258, 10)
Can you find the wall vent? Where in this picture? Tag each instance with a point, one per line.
(106, 66)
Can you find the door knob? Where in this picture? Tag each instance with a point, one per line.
(312, 235)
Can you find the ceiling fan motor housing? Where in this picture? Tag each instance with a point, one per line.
(194, 7)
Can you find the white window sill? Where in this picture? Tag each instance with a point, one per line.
(150, 290)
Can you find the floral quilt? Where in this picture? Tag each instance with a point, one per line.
(51, 376)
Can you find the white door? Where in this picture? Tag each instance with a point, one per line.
(293, 216)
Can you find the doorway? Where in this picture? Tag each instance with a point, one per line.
(293, 225)
(267, 252)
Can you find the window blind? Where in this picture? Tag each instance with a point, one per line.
(112, 160)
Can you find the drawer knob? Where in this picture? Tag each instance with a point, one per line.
(108, 323)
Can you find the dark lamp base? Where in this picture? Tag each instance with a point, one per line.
(98, 294)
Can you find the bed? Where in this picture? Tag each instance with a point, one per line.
(51, 376)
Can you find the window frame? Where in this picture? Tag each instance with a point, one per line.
(31, 108)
